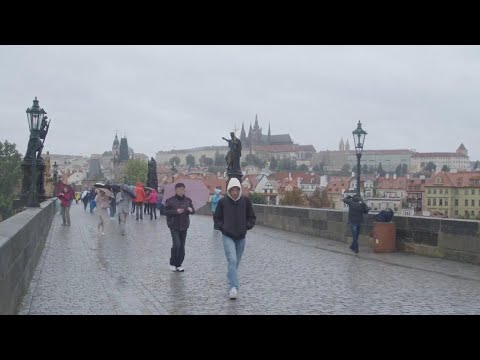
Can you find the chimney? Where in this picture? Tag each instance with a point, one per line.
(387, 176)
(394, 176)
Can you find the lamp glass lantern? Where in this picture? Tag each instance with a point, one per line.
(359, 138)
(35, 116)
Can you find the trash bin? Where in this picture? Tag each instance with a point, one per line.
(384, 237)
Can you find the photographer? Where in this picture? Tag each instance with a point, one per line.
(356, 209)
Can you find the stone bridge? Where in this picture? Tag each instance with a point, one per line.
(71, 270)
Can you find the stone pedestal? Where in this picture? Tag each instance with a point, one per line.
(27, 179)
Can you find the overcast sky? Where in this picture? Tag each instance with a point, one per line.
(163, 97)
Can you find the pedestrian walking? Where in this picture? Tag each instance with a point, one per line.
(152, 202)
(65, 197)
(103, 202)
(234, 216)
(124, 203)
(139, 200)
(178, 209)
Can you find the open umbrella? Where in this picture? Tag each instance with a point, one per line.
(99, 185)
(194, 189)
(107, 192)
(60, 188)
(85, 193)
(129, 190)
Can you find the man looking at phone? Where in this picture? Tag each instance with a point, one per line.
(178, 209)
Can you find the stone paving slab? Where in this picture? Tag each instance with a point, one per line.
(281, 273)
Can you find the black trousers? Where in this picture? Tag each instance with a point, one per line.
(153, 211)
(139, 210)
(178, 247)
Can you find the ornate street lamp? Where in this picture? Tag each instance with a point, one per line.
(35, 117)
(358, 140)
(55, 173)
(174, 171)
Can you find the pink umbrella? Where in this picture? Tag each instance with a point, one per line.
(194, 189)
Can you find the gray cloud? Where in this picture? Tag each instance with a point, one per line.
(422, 97)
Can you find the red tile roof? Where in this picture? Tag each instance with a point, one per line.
(456, 180)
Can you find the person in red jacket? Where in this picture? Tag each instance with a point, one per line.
(139, 199)
(152, 202)
(65, 197)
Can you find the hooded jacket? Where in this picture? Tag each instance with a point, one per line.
(234, 217)
(139, 193)
(152, 199)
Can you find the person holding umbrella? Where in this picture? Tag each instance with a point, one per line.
(85, 199)
(65, 196)
(103, 201)
(178, 209)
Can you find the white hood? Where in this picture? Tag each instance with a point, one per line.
(232, 183)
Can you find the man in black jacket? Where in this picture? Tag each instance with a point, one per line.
(178, 209)
(233, 216)
(356, 209)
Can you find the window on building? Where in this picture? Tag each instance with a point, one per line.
(473, 191)
(473, 202)
(466, 202)
(429, 191)
(466, 212)
(434, 191)
(446, 212)
(440, 202)
(456, 191)
(456, 212)
(446, 202)
(440, 191)
(446, 191)
(466, 192)
(434, 202)
(472, 213)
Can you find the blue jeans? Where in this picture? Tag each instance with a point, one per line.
(355, 234)
(233, 251)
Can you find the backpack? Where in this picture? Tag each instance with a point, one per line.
(384, 216)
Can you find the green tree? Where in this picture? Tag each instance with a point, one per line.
(430, 167)
(219, 159)
(346, 170)
(273, 164)
(190, 159)
(10, 175)
(380, 170)
(398, 170)
(303, 167)
(404, 169)
(208, 162)
(445, 168)
(203, 159)
(364, 169)
(257, 198)
(136, 170)
(287, 165)
(294, 198)
(175, 160)
(320, 199)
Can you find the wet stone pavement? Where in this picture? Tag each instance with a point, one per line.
(281, 273)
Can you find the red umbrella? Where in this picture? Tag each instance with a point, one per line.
(60, 187)
(194, 189)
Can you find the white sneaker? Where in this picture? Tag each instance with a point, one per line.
(180, 269)
(173, 268)
(233, 293)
